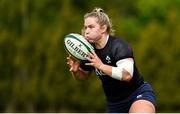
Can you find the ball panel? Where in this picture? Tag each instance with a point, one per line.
(82, 40)
(71, 54)
(77, 46)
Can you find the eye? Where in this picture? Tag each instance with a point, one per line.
(85, 27)
(90, 26)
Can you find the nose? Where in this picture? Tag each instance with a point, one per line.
(86, 32)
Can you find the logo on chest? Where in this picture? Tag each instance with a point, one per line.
(108, 59)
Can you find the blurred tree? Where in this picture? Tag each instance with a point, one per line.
(33, 71)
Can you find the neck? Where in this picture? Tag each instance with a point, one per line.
(102, 41)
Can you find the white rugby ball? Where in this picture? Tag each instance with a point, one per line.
(77, 46)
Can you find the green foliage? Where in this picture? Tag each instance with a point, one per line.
(34, 76)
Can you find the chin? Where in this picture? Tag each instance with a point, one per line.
(89, 40)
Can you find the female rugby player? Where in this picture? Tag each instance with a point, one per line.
(114, 63)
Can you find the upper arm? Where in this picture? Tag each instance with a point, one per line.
(127, 66)
(123, 56)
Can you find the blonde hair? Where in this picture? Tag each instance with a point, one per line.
(102, 17)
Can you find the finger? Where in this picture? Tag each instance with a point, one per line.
(69, 55)
(94, 54)
(70, 69)
(68, 63)
(78, 62)
(91, 64)
(91, 60)
(90, 55)
(88, 58)
(69, 58)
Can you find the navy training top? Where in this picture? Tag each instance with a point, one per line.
(115, 50)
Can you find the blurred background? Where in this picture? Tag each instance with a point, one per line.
(34, 76)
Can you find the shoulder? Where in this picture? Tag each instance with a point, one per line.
(120, 47)
(118, 40)
(119, 43)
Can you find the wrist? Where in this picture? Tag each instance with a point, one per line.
(101, 66)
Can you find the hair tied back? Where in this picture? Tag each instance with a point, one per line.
(98, 10)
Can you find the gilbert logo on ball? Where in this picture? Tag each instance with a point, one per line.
(77, 46)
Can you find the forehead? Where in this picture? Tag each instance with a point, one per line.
(90, 21)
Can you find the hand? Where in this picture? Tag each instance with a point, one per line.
(94, 60)
(74, 65)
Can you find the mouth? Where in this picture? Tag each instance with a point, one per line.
(86, 38)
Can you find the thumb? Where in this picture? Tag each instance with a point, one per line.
(70, 69)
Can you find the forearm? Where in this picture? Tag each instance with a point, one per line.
(123, 75)
(107, 69)
(80, 75)
(123, 71)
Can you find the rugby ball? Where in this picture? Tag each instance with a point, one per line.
(77, 46)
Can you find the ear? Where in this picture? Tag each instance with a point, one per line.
(104, 28)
